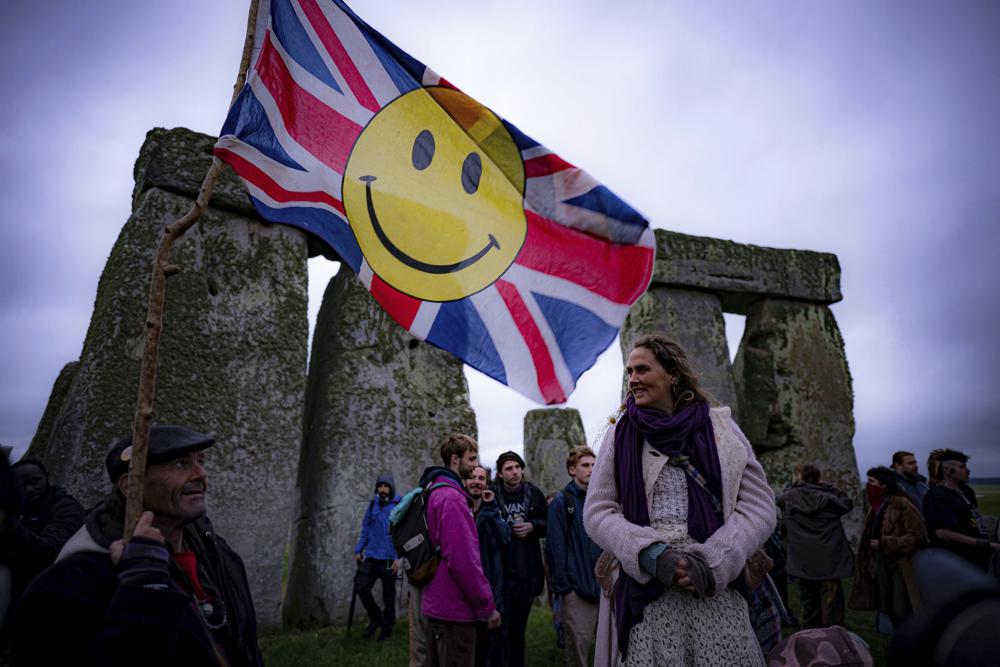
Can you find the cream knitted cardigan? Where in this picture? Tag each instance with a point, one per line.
(747, 502)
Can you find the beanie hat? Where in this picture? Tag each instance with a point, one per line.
(509, 456)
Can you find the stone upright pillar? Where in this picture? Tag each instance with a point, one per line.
(232, 355)
(378, 400)
(694, 319)
(549, 434)
(60, 388)
(795, 390)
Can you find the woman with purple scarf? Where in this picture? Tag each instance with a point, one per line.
(679, 503)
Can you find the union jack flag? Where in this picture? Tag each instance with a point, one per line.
(577, 256)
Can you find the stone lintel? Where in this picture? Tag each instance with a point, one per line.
(740, 273)
(177, 160)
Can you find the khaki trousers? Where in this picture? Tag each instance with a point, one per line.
(419, 631)
(579, 621)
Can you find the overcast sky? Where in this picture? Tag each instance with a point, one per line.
(867, 129)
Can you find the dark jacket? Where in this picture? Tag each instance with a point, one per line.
(374, 540)
(78, 612)
(32, 541)
(953, 510)
(915, 488)
(572, 554)
(816, 543)
(522, 565)
(494, 538)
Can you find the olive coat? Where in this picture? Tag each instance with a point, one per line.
(817, 546)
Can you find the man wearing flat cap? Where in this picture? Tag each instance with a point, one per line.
(522, 506)
(176, 594)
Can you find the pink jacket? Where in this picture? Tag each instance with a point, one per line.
(459, 591)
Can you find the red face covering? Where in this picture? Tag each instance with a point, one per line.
(876, 495)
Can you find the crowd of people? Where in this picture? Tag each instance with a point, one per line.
(906, 513)
(655, 552)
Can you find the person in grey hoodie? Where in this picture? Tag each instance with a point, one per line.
(819, 555)
(377, 559)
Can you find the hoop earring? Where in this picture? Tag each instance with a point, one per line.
(686, 395)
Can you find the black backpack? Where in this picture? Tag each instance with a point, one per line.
(418, 556)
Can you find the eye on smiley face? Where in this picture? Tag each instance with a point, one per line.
(433, 191)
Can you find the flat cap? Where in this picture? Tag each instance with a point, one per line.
(166, 442)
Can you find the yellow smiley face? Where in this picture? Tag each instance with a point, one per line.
(434, 191)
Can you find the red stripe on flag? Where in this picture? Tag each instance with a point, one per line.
(316, 127)
(249, 171)
(551, 390)
(545, 165)
(355, 81)
(616, 271)
(402, 307)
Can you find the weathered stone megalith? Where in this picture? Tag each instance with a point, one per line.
(232, 356)
(795, 391)
(693, 319)
(378, 400)
(61, 387)
(549, 434)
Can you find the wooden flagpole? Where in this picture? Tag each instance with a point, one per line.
(162, 269)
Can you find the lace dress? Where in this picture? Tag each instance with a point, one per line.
(678, 629)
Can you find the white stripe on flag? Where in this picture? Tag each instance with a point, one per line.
(609, 312)
(265, 199)
(518, 365)
(343, 103)
(563, 374)
(292, 180)
(430, 78)
(365, 274)
(534, 151)
(331, 66)
(360, 51)
(424, 319)
(292, 147)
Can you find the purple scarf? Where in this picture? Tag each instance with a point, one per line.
(689, 433)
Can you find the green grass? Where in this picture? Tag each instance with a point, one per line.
(330, 647)
(989, 498)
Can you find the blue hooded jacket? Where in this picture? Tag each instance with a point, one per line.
(572, 554)
(375, 541)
